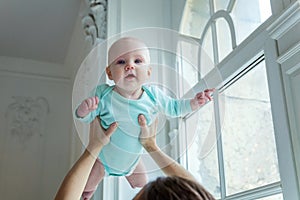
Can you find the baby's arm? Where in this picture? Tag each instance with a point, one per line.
(201, 98)
(88, 105)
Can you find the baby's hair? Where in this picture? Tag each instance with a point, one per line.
(140, 45)
(130, 38)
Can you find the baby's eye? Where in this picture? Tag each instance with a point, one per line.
(120, 62)
(138, 61)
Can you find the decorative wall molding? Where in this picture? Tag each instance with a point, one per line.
(26, 68)
(31, 75)
(286, 21)
(291, 79)
(26, 117)
(94, 20)
(289, 53)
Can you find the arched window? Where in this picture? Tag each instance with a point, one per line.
(230, 142)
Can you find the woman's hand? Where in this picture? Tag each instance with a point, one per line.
(98, 136)
(148, 134)
(167, 164)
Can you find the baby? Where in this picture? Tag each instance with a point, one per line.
(129, 68)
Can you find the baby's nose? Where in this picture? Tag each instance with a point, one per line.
(129, 67)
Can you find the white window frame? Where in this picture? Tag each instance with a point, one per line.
(257, 44)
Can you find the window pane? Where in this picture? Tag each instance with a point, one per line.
(224, 39)
(207, 56)
(195, 17)
(193, 62)
(250, 156)
(202, 155)
(248, 15)
(221, 4)
(188, 65)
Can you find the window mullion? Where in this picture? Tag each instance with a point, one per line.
(216, 108)
(183, 160)
(219, 145)
(230, 6)
(214, 34)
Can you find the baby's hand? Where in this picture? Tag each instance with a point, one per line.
(201, 98)
(87, 106)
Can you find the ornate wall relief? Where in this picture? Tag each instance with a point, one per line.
(26, 117)
(94, 20)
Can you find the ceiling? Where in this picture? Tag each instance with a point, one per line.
(37, 29)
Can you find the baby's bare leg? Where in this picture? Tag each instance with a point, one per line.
(139, 177)
(94, 179)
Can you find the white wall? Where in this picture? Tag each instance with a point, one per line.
(38, 144)
(125, 15)
(78, 50)
(35, 128)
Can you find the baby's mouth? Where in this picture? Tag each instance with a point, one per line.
(130, 76)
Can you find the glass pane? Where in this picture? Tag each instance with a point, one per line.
(207, 56)
(195, 17)
(248, 15)
(274, 197)
(202, 153)
(224, 38)
(188, 64)
(250, 157)
(221, 4)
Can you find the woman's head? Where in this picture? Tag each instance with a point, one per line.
(173, 188)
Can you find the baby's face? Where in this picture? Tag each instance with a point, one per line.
(130, 70)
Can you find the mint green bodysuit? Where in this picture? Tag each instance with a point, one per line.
(122, 153)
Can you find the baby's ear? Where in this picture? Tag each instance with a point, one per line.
(108, 72)
(149, 71)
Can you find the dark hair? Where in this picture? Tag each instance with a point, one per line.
(173, 188)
